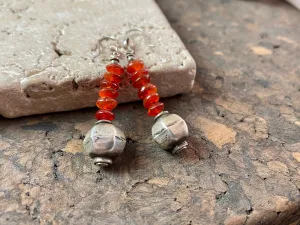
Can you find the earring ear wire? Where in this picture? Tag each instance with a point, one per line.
(115, 54)
(126, 42)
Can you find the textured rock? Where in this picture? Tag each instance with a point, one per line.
(47, 52)
(217, 133)
(251, 100)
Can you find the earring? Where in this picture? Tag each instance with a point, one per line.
(104, 142)
(169, 131)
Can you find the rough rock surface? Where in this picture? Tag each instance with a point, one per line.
(242, 164)
(47, 57)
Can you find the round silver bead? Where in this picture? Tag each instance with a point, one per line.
(170, 132)
(104, 142)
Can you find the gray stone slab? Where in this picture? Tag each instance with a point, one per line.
(47, 51)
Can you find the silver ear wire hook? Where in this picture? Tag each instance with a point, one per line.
(114, 57)
(126, 41)
(129, 46)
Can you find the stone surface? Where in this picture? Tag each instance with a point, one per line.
(47, 58)
(296, 3)
(247, 174)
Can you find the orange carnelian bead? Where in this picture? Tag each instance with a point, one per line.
(135, 65)
(112, 77)
(115, 68)
(106, 103)
(147, 89)
(138, 74)
(108, 84)
(104, 115)
(141, 81)
(150, 100)
(155, 109)
(108, 92)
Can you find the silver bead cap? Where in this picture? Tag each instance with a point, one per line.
(160, 114)
(102, 162)
(114, 60)
(103, 121)
(180, 147)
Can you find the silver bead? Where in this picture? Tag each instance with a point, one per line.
(170, 132)
(104, 142)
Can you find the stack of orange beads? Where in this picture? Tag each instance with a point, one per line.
(109, 92)
(140, 79)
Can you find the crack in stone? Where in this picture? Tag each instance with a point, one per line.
(38, 60)
(249, 211)
(139, 182)
(220, 196)
(55, 43)
(246, 220)
(56, 50)
(74, 85)
(55, 172)
(133, 186)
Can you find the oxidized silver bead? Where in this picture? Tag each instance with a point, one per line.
(170, 132)
(104, 142)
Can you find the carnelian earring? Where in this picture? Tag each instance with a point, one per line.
(104, 142)
(169, 130)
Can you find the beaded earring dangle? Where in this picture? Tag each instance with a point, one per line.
(104, 142)
(169, 131)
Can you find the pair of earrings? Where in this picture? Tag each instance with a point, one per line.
(104, 142)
